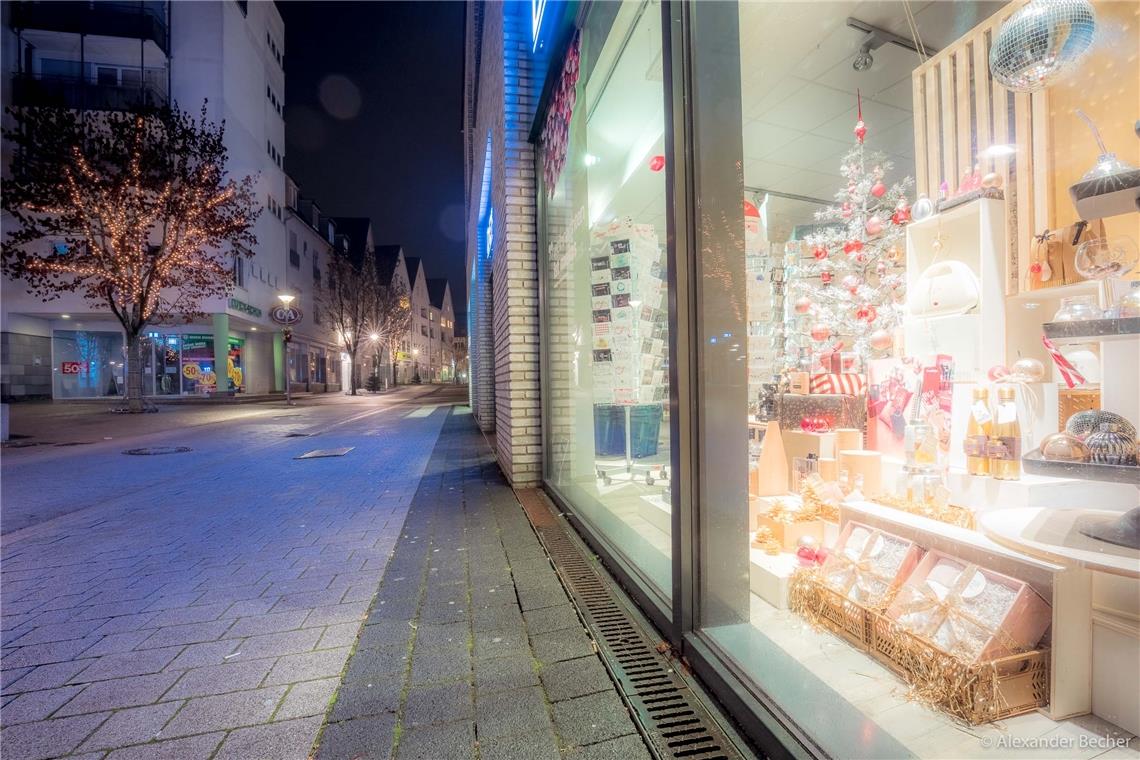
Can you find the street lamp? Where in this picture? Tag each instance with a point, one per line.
(286, 335)
(415, 363)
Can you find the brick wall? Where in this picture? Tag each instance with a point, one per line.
(504, 300)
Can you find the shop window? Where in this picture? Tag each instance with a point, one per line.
(88, 364)
(239, 271)
(608, 445)
(873, 395)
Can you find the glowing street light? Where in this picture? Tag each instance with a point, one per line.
(287, 334)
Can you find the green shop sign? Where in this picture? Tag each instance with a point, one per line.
(242, 306)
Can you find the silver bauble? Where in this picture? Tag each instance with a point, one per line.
(1040, 43)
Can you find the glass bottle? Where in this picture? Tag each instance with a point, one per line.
(1004, 448)
(1077, 309)
(978, 431)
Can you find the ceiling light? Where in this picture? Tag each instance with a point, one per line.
(590, 159)
(863, 61)
(999, 150)
(253, 328)
(65, 316)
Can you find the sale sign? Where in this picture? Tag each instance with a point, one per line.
(72, 368)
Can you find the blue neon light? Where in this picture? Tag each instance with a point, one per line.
(537, 9)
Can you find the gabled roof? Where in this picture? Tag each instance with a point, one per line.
(355, 228)
(437, 289)
(413, 263)
(387, 257)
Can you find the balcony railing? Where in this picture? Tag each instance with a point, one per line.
(79, 93)
(137, 20)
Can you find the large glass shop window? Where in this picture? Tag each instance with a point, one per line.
(88, 364)
(606, 313)
(938, 543)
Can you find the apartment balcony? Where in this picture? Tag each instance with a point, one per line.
(135, 20)
(84, 94)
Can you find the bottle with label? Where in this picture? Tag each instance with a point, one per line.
(1004, 448)
(978, 431)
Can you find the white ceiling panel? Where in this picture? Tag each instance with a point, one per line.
(766, 174)
(809, 151)
(806, 107)
(761, 138)
(876, 116)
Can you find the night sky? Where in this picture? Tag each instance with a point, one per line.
(374, 117)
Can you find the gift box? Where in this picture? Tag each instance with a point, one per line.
(840, 410)
(1073, 400)
(972, 613)
(849, 383)
(869, 565)
(788, 522)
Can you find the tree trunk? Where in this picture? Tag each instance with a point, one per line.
(352, 384)
(134, 373)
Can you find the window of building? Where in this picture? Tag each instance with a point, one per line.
(423, 330)
(423, 312)
(239, 271)
(608, 442)
(294, 257)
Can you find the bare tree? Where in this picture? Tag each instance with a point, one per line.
(389, 318)
(138, 210)
(347, 302)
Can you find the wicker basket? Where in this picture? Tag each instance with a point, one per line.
(973, 693)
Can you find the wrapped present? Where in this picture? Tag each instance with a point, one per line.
(840, 410)
(787, 521)
(849, 383)
(868, 565)
(969, 612)
(799, 383)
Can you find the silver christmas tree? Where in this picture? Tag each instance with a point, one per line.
(846, 284)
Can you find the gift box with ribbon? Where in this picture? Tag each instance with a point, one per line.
(850, 383)
(970, 612)
(868, 565)
(789, 520)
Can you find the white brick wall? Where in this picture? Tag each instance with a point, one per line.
(505, 390)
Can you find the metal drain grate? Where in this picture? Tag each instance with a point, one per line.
(673, 719)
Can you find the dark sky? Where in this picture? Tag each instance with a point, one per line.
(374, 98)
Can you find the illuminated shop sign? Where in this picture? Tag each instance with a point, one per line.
(242, 306)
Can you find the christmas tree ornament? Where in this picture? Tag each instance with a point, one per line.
(1028, 370)
(992, 181)
(820, 331)
(846, 209)
(923, 208)
(881, 268)
(819, 252)
(866, 313)
(860, 128)
(878, 189)
(802, 305)
(936, 246)
(874, 226)
(852, 246)
(893, 253)
(851, 282)
(1042, 42)
(880, 340)
(825, 277)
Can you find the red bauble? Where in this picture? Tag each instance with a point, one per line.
(878, 189)
(852, 246)
(866, 313)
(820, 331)
(860, 130)
(825, 277)
(819, 252)
(845, 210)
(1035, 267)
(802, 305)
(874, 225)
(657, 163)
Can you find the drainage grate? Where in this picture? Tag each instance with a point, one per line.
(157, 450)
(673, 719)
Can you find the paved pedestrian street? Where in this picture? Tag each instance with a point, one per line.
(233, 601)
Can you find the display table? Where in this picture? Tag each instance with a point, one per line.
(1053, 534)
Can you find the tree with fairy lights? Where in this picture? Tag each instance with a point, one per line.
(848, 295)
(131, 209)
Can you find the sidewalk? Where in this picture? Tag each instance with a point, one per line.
(471, 648)
(390, 603)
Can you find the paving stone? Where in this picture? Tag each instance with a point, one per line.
(239, 708)
(47, 653)
(359, 739)
(192, 748)
(550, 619)
(337, 613)
(538, 745)
(340, 635)
(308, 666)
(132, 726)
(623, 748)
(307, 698)
(279, 644)
(124, 623)
(575, 678)
(287, 740)
(501, 617)
(202, 613)
(218, 679)
(454, 741)
(269, 623)
(361, 698)
(377, 663)
(209, 653)
(449, 637)
(42, 634)
(591, 719)
(117, 642)
(385, 633)
(504, 673)
(511, 712)
(429, 667)
(538, 598)
(564, 644)
(48, 738)
(438, 704)
(120, 692)
(125, 664)
(249, 607)
(36, 705)
(501, 643)
(193, 633)
(45, 676)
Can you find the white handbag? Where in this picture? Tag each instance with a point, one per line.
(944, 288)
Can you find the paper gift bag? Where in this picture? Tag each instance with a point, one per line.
(868, 565)
(969, 612)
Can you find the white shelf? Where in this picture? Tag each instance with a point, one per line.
(1056, 293)
(1054, 535)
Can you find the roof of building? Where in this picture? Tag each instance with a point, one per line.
(437, 288)
(355, 228)
(413, 263)
(387, 257)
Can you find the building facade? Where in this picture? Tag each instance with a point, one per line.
(702, 239)
(422, 326)
(441, 331)
(226, 55)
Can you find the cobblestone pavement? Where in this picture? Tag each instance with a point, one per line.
(200, 604)
(471, 648)
(233, 602)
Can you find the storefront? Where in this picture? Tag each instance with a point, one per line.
(839, 318)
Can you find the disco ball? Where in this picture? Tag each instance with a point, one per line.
(1040, 43)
